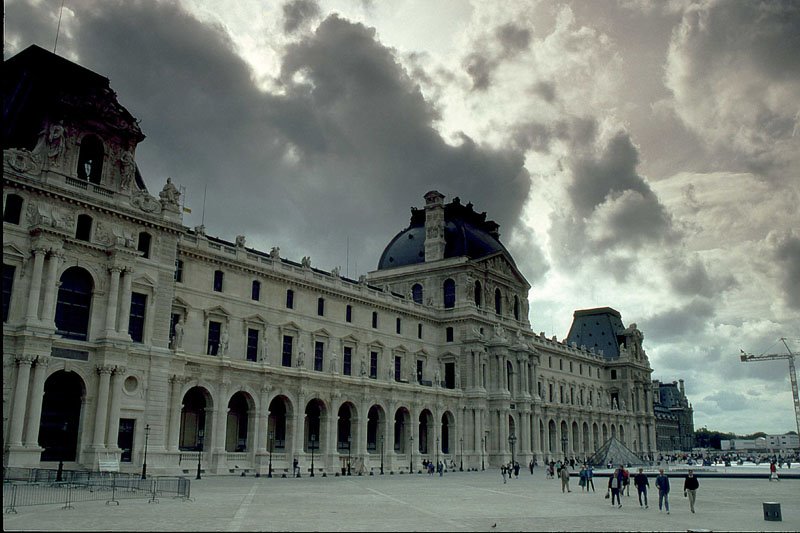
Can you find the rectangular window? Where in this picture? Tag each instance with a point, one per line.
(179, 270)
(420, 362)
(289, 299)
(449, 334)
(348, 313)
(255, 290)
(321, 306)
(319, 350)
(286, 359)
(218, 275)
(8, 282)
(347, 361)
(550, 385)
(214, 330)
(374, 319)
(419, 331)
(373, 365)
(450, 375)
(136, 322)
(398, 367)
(398, 325)
(252, 344)
(570, 366)
(561, 393)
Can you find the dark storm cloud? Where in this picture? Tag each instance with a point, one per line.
(512, 38)
(343, 151)
(685, 321)
(505, 42)
(690, 277)
(480, 68)
(787, 259)
(298, 12)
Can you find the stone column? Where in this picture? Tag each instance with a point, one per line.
(298, 435)
(113, 415)
(113, 294)
(125, 303)
(51, 287)
(32, 315)
(17, 424)
(220, 420)
(260, 444)
(35, 408)
(176, 406)
(101, 405)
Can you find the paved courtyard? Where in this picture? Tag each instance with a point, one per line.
(458, 501)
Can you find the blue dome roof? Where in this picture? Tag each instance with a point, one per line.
(466, 233)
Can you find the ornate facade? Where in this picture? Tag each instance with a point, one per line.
(674, 417)
(122, 326)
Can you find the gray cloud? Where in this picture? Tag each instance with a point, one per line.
(505, 42)
(680, 322)
(691, 277)
(480, 68)
(296, 13)
(512, 38)
(787, 258)
(728, 400)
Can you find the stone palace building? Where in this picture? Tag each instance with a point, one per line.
(127, 333)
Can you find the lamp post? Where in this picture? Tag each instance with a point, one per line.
(271, 442)
(512, 440)
(411, 454)
(437, 452)
(461, 466)
(60, 472)
(381, 454)
(564, 441)
(312, 445)
(199, 451)
(483, 450)
(144, 462)
(349, 448)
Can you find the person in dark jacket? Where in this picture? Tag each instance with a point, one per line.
(662, 484)
(690, 486)
(641, 482)
(615, 485)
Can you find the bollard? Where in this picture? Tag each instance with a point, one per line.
(772, 511)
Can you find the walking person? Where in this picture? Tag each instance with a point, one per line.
(626, 481)
(589, 478)
(614, 485)
(503, 472)
(690, 486)
(662, 484)
(530, 466)
(582, 478)
(516, 469)
(565, 477)
(641, 482)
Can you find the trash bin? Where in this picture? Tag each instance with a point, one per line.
(772, 511)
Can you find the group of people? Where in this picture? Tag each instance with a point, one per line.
(440, 467)
(619, 483)
(509, 469)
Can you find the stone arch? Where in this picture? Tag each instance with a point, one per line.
(315, 413)
(552, 436)
(62, 414)
(402, 430)
(448, 432)
(425, 430)
(575, 437)
(280, 411)
(194, 427)
(74, 303)
(346, 418)
(605, 432)
(240, 420)
(376, 422)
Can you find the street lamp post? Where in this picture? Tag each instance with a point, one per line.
(512, 440)
(461, 465)
(483, 450)
(381, 454)
(349, 447)
(271, 442)
(312, 445)
(199, 452)
(144, 462)
(411, 454)
(437, 452)
(564, 441)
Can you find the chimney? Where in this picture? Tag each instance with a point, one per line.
(683, 392)
(434, 226)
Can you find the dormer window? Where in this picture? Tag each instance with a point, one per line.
(90, 160)
(449, 289)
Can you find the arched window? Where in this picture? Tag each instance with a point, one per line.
(90, 160)
(416, 293)
(12, 210)
(144, 244)
(498, 302)
(478, 293)
(449, 293)
(74, 304)
(83, 230)
(516, 308)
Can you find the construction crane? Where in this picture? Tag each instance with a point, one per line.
(746, 357)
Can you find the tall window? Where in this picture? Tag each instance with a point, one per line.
(416, 293)
(12, 211)
(449, 334)
(398, 325)
(218, 277)
(136, 321)
(252, 344)
(398, 367)
(516, 308)
(374, 319)
(321, 306)
(214, 331)
(289, 299)
(179, 270)
(83, 230)
(373, 365)
(74, 302)
(347, 361)
(449, 289)
(319, 350)
(478, 293)
(286, 357)
(144, 244)
(348, 313)
(8, 283)
(498, 302)
(255, 290)
(90, 160)
(419, 331)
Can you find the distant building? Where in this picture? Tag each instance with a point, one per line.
(788, 441)
(674, 417)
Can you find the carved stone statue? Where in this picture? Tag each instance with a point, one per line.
(224, 339)
(336, 271)
(265, 347)
(240, 241)
(499, 332)
(306, 261)
(363, 367)
(437, 377)
(334, 362)
(477, 332)
(301, 356)
(362, 279)
(275, 252)
(614, 404)
(622, 404)
(458, 377)
(177, 340)
(52, 145)
(170, 194)
(127, 169)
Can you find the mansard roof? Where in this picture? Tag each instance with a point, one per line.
(600, 328)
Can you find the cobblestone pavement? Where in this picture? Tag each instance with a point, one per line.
(458, 501)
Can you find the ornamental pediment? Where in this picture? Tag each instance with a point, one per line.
(501, 263)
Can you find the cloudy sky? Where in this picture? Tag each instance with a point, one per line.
(642, 155)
